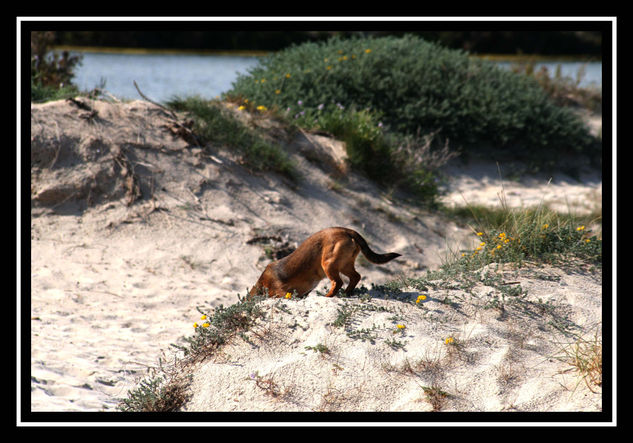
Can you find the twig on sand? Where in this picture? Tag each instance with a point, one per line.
(184, 128)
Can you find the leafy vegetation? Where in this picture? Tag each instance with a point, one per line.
(413, 87)
(51, 74)
(214, 123)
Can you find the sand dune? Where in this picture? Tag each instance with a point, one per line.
(133, 229)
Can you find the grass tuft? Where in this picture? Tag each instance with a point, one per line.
(215, 124)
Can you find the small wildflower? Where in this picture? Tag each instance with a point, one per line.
(449, 341)
(328, 67)
(277, 91)
(420, 298)
(482, 244)
(320, 107)
(479, 234)
(545, 226)
(580, 228)
(263, 80)
(262, 108)
(502, 235)
(367, 51)
(206, 325)
(241, 108)
(587, 240)
(195, 325)
(204, 317)
(478, 248)
(498, 246)
(288, 295)
(400, 326)
(288, 75)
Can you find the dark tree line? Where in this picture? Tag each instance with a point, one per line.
(482, 42)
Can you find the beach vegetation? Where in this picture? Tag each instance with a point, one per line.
(406, 86)
(215, 124)
(51, 73)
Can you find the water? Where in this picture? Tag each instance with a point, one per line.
(161, 77)
(164, 76)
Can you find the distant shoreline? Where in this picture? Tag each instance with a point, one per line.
(259, 53)
(116, 50)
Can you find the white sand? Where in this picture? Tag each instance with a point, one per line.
(112, 286)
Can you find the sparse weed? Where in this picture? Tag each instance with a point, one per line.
(585, 356)
(213, 123)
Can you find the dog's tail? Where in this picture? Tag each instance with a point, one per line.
(368, 253)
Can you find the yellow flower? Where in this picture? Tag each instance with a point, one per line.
(262, 108)
(420, 298)
(449, 340)
(328, 67)
(195, 325)
(545, 226)
(587, 240)
(498, 246)
(367, 51)
(206, 325)
(277, 91)
(580, 228)
(502, 235)
(263, 80)
(482, 244)
(400, 326)
(241, 108)
(288, 75)
(204, 317)
(480, 234)
(288, 295)
(478, 248)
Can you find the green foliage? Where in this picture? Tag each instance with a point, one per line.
(214, 123)
(515, 235)
(154, 395)
(418, 87)
(51, 73)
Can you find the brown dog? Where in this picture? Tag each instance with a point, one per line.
(329, 252)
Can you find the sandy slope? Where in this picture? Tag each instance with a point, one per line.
(113, 284)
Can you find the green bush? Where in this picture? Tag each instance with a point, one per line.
(214, 123)
(51, 74)
(418, 87)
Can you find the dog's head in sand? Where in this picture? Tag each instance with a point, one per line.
(328, 253)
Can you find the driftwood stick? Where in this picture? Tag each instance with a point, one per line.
(173, 115)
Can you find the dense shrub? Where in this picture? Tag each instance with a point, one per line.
(419, 87)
